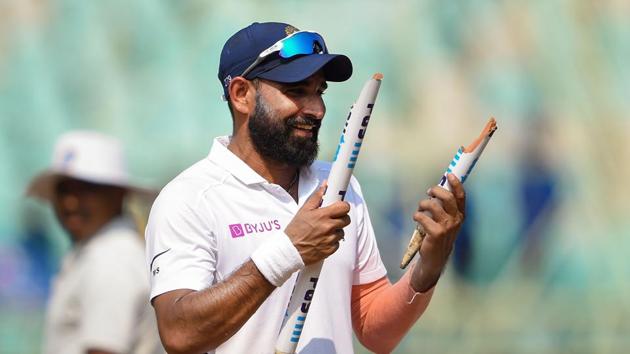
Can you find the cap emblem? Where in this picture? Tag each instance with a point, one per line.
(227, 80)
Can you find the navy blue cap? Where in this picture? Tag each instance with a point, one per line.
(243, 48)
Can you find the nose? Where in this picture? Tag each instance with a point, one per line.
(69, 202)
(314, 107)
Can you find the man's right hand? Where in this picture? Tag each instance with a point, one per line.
(315, 231)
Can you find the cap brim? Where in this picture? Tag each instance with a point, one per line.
(336, 67)
(42, 186)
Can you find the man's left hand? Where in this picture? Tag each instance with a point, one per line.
(441, 216)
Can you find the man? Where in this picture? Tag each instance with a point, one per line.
(98, 303)
(226, 237)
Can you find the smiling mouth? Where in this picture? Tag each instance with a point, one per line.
(307, 127)
(74, 217)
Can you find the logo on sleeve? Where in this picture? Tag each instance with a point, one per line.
(240, 230)
(155, 271)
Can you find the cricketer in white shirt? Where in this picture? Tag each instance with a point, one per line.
(210, 219)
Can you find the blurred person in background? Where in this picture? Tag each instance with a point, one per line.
(226, 237)
(99, 298)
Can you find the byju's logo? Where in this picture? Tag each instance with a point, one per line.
(240, 230)
(237, 230)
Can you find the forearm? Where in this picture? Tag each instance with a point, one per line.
(383, 313)
(200, 321)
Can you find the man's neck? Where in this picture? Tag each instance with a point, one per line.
(84, 238)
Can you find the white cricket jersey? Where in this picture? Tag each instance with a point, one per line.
(208, 221)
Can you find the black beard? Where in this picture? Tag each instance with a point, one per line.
(273, 139)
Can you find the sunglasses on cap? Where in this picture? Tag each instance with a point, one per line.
(297, 43)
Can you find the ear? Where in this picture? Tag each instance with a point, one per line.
(242, 95)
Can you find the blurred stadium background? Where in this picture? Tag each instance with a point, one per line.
(541, 266)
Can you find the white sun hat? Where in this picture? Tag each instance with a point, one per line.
(88, 156)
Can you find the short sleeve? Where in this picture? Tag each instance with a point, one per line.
(180, 242)
(368, 266)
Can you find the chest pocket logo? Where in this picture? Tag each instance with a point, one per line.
(240, 230)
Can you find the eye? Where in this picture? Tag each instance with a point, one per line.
(295, 91)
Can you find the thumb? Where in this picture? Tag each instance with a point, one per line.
(314, 201)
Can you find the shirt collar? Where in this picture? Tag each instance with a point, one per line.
(222, 156)
(308, 182)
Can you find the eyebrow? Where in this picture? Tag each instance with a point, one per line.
(323, 86)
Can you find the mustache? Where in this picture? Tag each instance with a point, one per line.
(81, 213)
(304, 120)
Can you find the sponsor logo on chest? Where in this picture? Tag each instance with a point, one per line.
(240, 230)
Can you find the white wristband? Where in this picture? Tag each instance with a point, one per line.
(277, 259)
